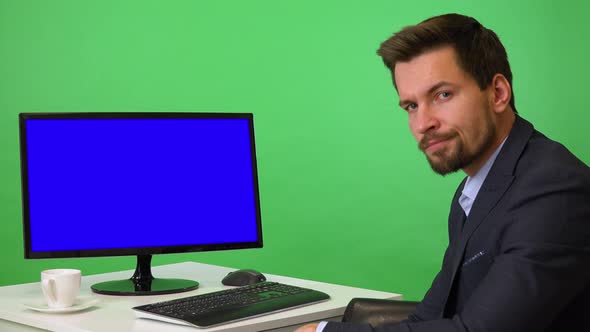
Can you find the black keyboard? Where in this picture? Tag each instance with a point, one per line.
(230, 305)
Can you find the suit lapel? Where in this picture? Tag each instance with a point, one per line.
(456, 221)
(489, 194)
(495, 185)
(456, 215)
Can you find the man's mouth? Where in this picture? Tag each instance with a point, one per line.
(433, 143)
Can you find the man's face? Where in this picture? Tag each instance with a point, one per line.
(450, 117)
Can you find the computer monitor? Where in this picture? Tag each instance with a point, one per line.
(112, 184)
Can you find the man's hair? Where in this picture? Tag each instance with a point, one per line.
(479, 50)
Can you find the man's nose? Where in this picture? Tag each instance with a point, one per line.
(426, 120)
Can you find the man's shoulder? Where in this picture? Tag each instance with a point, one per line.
(548, 166)
(546, 156)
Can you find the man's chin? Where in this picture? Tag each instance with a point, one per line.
(442, 166)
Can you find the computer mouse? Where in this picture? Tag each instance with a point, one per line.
(243, 278)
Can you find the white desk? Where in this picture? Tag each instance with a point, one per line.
(114, 313)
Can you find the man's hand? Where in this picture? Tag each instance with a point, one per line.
(308, 328)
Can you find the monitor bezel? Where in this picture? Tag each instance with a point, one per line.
(30, 254)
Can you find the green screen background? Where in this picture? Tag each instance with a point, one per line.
(346, 197)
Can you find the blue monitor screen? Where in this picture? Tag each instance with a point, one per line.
(100, 183)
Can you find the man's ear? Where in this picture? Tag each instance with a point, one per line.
(501, 93)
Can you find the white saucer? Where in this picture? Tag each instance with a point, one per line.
(80, 304)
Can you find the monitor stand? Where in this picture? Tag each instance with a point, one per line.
(143, 283)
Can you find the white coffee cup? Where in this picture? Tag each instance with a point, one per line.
(60, 287)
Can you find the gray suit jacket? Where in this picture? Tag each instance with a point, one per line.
(521, 262)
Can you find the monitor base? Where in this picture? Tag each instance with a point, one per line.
(149, 287)
(143, 283)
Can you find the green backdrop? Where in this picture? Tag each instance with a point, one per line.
(346, 196)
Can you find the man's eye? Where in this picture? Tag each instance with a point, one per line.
(411, 107)
(445, 95)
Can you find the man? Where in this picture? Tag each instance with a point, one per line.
(519, 226)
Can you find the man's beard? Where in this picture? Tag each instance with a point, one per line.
(448, 159)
